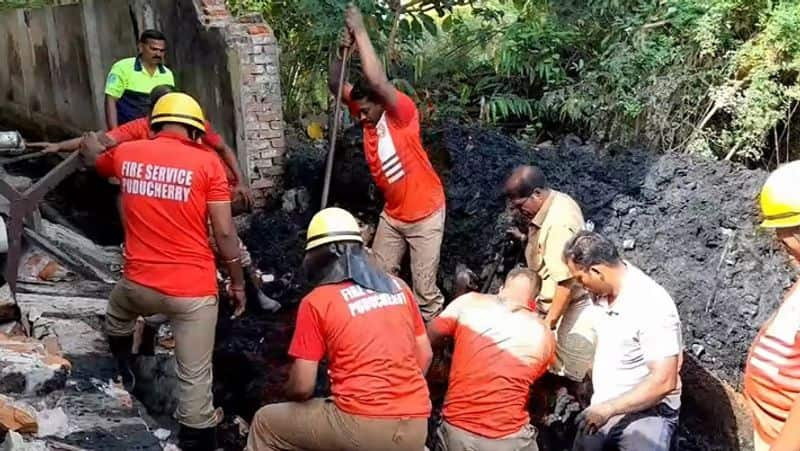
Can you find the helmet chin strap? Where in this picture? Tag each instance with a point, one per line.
(352, 264)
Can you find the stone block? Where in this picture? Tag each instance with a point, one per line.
(273, 170)
(264, 78)
(270, 154)
(257, 69)
(278, 143)
(262, 39)
(262, 183)
(276, 125)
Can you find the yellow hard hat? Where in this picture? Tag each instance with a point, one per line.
(780, 197)
(332, 225)
(178, 107)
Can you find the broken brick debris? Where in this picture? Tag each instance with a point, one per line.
(17, 416)
(28, 367)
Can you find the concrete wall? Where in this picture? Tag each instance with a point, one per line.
(56, 60)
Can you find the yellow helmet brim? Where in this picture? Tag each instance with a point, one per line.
(782, 222)
(180, 119)
(333, 237)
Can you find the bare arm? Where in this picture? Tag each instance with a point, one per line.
(302, 380)
(370, 63)
(789, 438)
(559, 304)
(74, 144)
(111, 112)
(435, 337)
(424, 353)
(663, 378)
(229, 157)
(227, 241)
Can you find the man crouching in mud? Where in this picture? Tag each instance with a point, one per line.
(367, 324)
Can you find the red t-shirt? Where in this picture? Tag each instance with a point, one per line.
(498, 354)
(398, 162)
(140, 129)
(370, 341)
(772, 374)
(166, 185)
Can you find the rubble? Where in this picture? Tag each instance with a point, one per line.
(52, 423)
(28, 367)
(15, 442)
(8, 306)
(17, 416)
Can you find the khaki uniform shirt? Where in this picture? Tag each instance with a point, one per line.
(559, 219)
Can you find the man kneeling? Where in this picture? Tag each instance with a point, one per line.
(369, 327)
(501, 348)
(636, 371)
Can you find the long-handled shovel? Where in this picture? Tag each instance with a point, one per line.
(337, 112)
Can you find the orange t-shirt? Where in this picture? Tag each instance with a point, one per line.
(370, 341)
(166, 185)
(498, 354)
(398, 162)
(140, 129)
(772, 374)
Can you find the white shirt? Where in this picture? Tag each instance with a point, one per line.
(641, 325)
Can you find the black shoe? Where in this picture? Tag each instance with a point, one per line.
(191, 439)
(121, 349)
(148, 346)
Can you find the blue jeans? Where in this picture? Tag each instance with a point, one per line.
(648, 430)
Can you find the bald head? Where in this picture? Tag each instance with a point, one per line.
(524, 181)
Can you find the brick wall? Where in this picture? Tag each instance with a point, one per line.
(259, 125)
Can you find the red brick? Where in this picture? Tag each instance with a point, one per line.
(258, 29)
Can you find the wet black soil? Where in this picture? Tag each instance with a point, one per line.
(688, 222)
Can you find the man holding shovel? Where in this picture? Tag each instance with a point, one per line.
(414, 213)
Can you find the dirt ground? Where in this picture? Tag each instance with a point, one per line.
(689, 223)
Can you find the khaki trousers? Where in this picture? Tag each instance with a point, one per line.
(575, 340)
(452, 438)
(318, 424)
(424, 239)
(194, 321)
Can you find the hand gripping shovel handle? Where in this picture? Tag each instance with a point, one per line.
(337, 112)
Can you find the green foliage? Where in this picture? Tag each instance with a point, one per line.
(308, 32)
(14, 4)
(717, 77)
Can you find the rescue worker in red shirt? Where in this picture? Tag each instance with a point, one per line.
(366, 323)
(171, 186)
(500, 348)
(140, 129)
(772, 373)
(414, 213)
(241, 196)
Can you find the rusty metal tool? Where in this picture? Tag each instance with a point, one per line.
(337, 112)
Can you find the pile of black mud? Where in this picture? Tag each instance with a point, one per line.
(690, 223)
